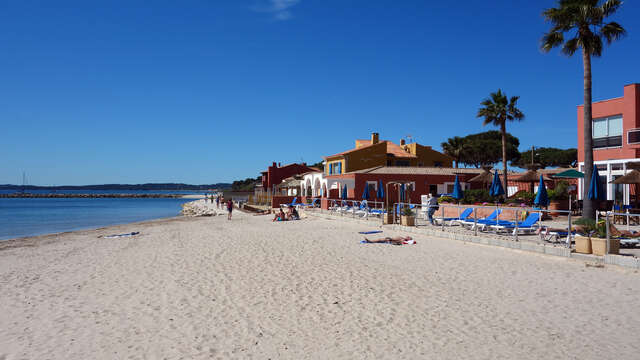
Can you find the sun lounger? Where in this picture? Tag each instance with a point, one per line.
(463, 217)
(529, 224)
(482, 223)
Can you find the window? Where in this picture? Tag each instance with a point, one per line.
(607, 132)
(402, 163)
(335, 168)
(437, 163)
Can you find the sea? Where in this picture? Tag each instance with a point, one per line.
(20, 217)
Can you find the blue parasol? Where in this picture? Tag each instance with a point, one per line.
(344, 192)
(542, 198)
(457, 190)
(365, 193)
(594, 186)
(496, 186)
(380, 194)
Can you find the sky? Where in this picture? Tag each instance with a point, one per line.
(204, 91)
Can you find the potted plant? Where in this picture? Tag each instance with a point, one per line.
(387, 217)
(408, 217)
(559, 198)
(583, 238)
(599, 241)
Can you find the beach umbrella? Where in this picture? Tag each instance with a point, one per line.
(542, 198)
(496, 186)
(380, 194)
(457, 190)
(344, 192)
(594, 186)
(402, 193)
(631, 178)
(365, 193)
(569, 174)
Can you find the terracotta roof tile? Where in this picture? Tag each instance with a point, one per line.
(392, 149)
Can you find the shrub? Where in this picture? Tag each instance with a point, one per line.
(477, 196)
(407, 211)
(560, 192)
(446, 199)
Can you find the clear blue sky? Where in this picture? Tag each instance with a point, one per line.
(208, 91)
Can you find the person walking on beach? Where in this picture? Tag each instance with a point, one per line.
(432, 204)
(229, 209)
(218, 202)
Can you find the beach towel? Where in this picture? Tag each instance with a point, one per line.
(121, 235)
(370, 232)
(408, 242)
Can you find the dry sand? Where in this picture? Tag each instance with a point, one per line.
(196, 288)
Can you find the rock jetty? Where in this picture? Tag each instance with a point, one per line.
(200, 208)
(89, 196)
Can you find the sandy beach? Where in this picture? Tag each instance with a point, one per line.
(200, 288)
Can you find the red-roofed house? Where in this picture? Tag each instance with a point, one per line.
(371, 153)
(276, 173)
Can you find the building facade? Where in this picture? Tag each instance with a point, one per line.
(616, 140)
(276, 173)
(372, 153)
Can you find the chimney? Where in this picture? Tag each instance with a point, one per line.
(375, 138)
(274, 164)
(279, 164)
(402, 142)
(304, 164)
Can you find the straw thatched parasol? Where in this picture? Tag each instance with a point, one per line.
(485, 178)
(631, 178)
(531, 176)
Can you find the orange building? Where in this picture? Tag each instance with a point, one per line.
(372, 153)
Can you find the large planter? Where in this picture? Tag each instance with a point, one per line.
(387, 218)
(583, 244)
(408, 220)
(558, 205)
(599, 246)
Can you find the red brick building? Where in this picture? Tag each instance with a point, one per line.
(276, 173)
(616, 140)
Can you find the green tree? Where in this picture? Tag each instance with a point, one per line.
(454, 147)
(497, 109)
(485, 149)
(548, 157)
(582, 21)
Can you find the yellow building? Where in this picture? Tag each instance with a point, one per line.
(372, 153)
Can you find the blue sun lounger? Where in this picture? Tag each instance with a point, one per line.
(482, 223)
(528, 225)
(463, 217)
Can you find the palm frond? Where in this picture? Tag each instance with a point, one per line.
(551, 40)
(610, 7)
(612, 31)
(571, 46)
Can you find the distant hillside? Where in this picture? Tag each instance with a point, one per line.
(161, 186)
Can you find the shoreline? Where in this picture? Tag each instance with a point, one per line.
(10, 243)
(99, 196)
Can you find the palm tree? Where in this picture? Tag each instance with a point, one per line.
(497, 110)
(454, 147)
(583, 22)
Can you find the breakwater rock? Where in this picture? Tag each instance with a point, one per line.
(87, 196)
(200, 208)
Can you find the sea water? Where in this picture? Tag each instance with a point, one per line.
(34, 216)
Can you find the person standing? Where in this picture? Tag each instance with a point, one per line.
(229, 209)
(218, 201)
(432, 204)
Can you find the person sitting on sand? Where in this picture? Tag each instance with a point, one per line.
(292, 214)
(280, 216)
(395, 240)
